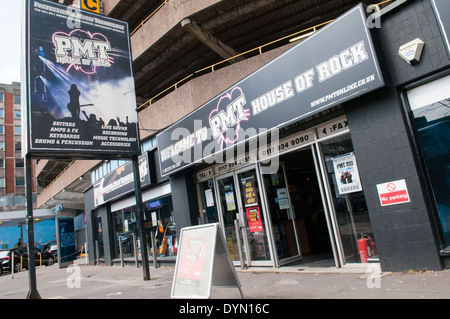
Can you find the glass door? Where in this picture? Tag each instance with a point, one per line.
(207, 201)
(239, 200)
(284, 223)
(252, 208)
(229, 212)
(347, 201)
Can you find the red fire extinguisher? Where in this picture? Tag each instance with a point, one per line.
(366, 247)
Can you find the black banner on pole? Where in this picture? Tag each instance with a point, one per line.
(79, 96)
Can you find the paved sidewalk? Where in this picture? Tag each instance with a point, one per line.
(102, 282)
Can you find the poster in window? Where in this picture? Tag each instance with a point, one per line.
(251, 198)
(254, 219)
(347, 175)
(209, 198)
(229, 198)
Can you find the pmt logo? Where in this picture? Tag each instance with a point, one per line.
(82, 50)
(225, 120)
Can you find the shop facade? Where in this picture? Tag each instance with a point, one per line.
(112, 218)
(336, 153)
(340, 168)
(297, 212)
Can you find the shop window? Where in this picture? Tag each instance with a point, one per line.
(430, 105)
(209, 210)
(124, 228)
(158, 222)
(105, 168)
(148, 144)
(348, 199)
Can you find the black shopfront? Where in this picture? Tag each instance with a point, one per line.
(113, 225)
(341, 120)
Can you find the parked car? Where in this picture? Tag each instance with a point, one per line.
(6, 259)
(54, 251)
(45, 257)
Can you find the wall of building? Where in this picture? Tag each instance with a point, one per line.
(172, 13)
(90, 236)
(406, 234)
(403, 233)
(184, 200)
(414, 19)
(9, 154)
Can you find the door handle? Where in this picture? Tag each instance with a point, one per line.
(241, 220)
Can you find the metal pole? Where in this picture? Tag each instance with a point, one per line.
(238, 237)
(121, 251)
(140, 218)
(97, 253)
(152, 238)
(58, 249)
(21, 234)
(136, 258)
(32, 292)
(13, 263)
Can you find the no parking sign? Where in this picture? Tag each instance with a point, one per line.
(392, 193)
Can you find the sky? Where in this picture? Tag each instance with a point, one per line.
(10, 39)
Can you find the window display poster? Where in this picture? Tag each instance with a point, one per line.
(154, 219)
(209, 198)
(347, 175)
(282, 199)
(251, 198)
(254, 219)
(229, 198)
